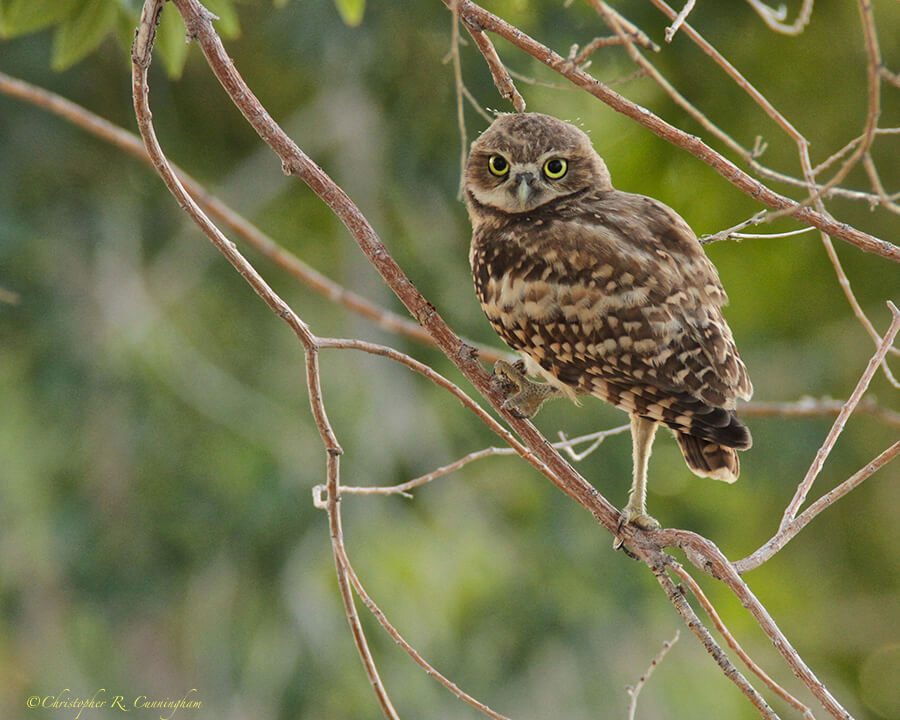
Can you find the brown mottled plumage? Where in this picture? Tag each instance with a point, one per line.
(603, 292)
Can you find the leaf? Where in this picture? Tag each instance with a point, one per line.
(82, 31)
(171, 41)
(351, 11)
(20, 17)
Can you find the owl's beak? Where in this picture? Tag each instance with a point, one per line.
(524, 191)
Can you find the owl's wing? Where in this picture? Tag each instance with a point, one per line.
(614, 296)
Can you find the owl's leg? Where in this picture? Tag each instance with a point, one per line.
(635, 512)
(524, 396)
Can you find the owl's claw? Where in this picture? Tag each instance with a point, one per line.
(633, 516)
(524, 397)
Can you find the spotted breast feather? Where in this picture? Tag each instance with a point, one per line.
(612, 296)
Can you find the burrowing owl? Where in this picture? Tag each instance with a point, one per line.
(603, 292)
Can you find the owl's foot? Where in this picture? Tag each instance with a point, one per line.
(633, 516)
(524, 397)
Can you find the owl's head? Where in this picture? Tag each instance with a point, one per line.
(525, 160)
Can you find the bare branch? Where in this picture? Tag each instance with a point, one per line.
(704, 555)
(844, 282)
(803, 489)
(775, 18)
(460, 88)
(679, 20)
(810, 407)
(785, 534)
(634, 691)
(409, 649)
(565, 444)
(499, 73)
(596, 440)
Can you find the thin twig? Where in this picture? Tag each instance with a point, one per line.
(635, 690)
(596, 439)
(460, 113)
(499, 73)
(886, 200)
(566, 444)
(812, 407)
(775, 18)
(409, 649)
(783, 536)
(844, 282)
(763, 236)
(679, 20)
(727, 233)
(803, 489)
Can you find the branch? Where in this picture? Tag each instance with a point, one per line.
(810, 407)
(788, 531)
(704, 555)
(499, 73)
(775, 18)
(803, 489)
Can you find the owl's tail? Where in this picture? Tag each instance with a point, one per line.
(709, 459)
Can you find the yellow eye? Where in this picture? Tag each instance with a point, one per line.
(555, 168)
(498, 165)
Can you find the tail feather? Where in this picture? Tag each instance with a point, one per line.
(709, 459)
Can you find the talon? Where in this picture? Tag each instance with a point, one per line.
(524, 398)
(633, 516)
(639, 518)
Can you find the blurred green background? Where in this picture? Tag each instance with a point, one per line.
(157, 454)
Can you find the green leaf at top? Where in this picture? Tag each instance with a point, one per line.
(351, 11)
(82, 31)
(20, 17)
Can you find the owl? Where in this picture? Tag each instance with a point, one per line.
(603, 293)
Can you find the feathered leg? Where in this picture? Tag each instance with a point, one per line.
(635, 512)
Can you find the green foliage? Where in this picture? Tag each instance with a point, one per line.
(80, 26)
(20, 17)
(82, 31)
(351, 11)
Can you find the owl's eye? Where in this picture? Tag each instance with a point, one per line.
(555, 168)
(498, 165)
